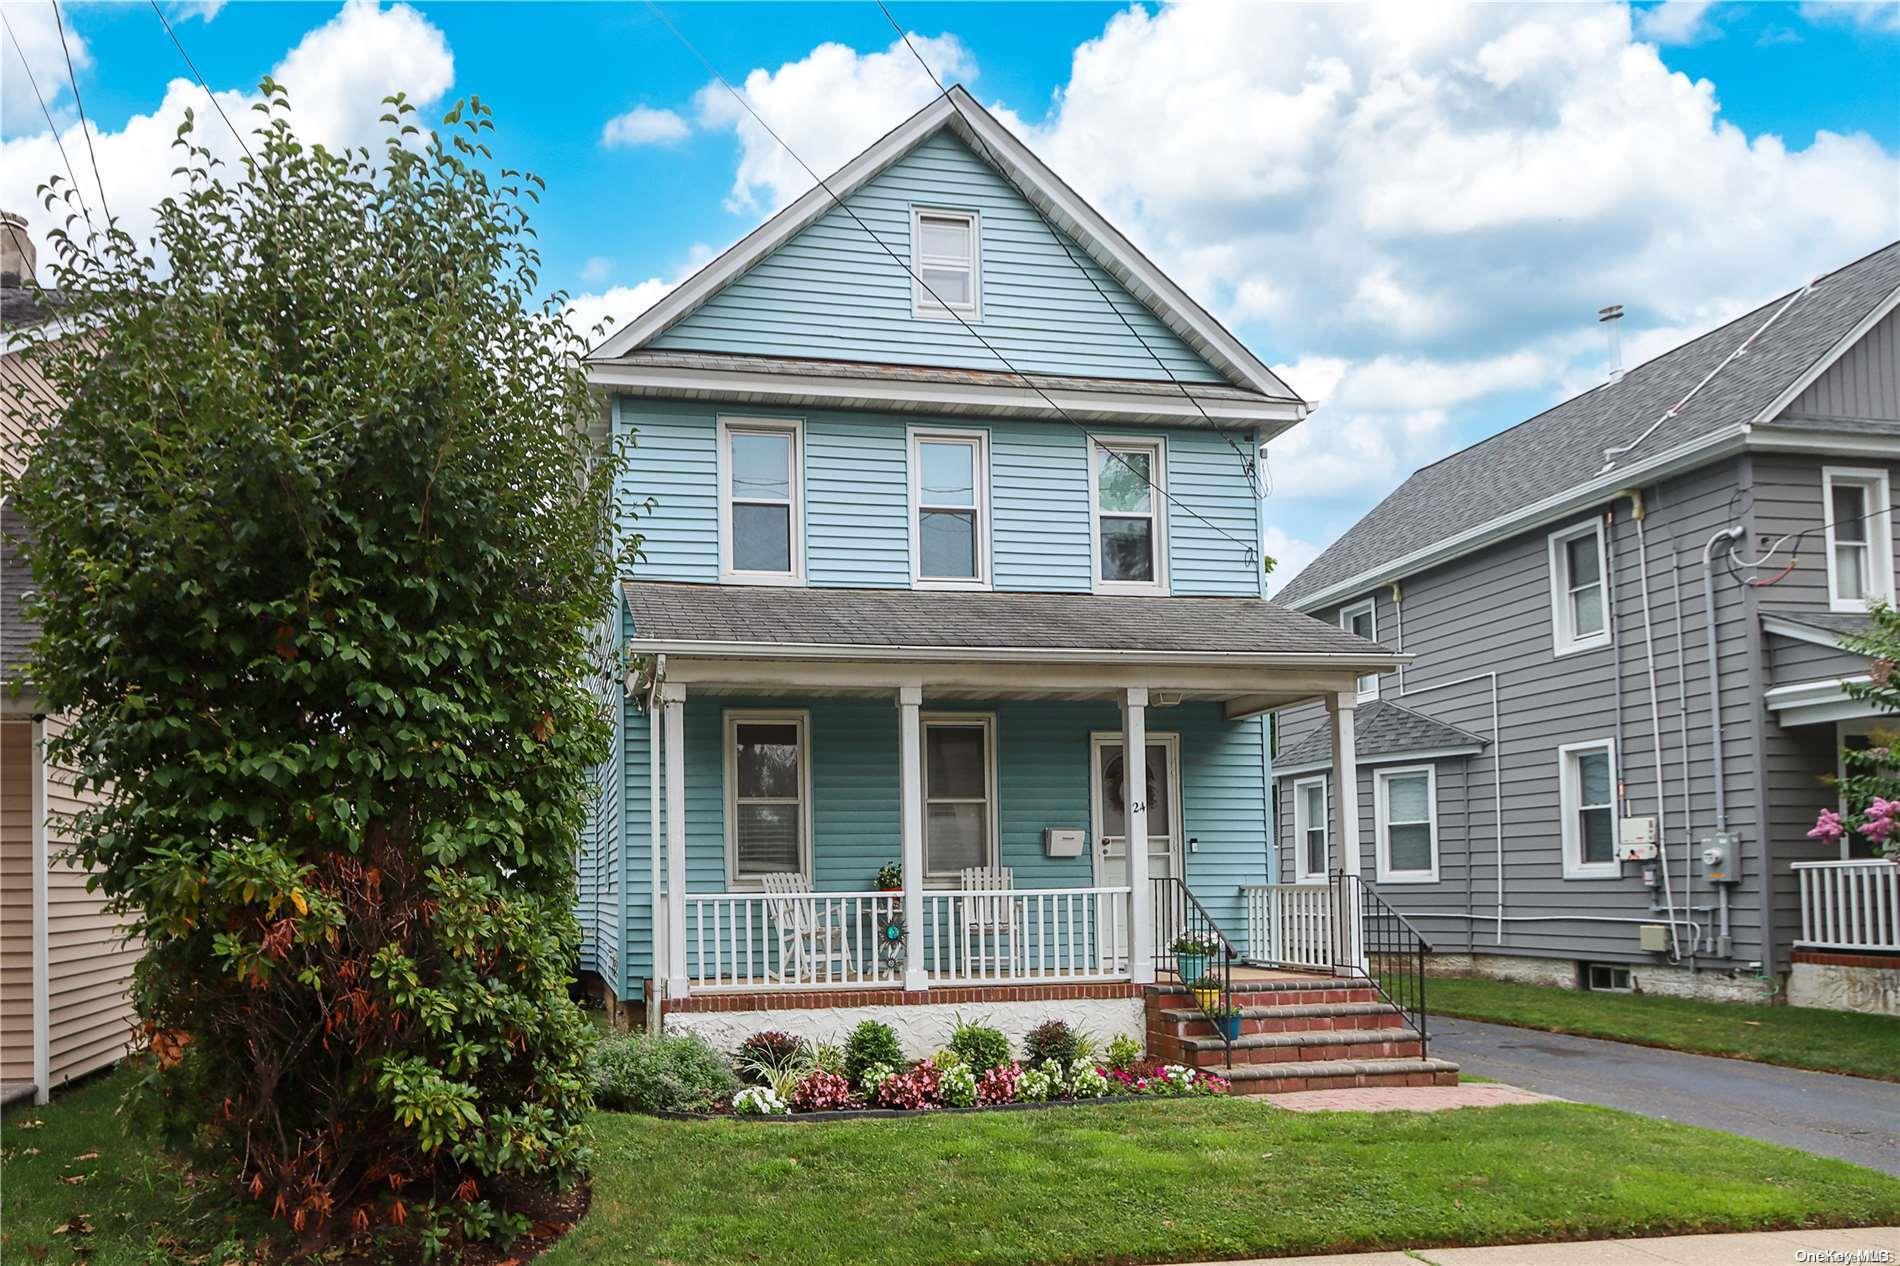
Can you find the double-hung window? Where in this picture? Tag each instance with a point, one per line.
(761, 500)
(1406, 801)
(959, 794)
(1361, 620)
(1309, 829)
(1131, 533)
(1587, 801)
(1859, 513)
(949, 494)
(768, 786)
(1579, 595)
(946, 264)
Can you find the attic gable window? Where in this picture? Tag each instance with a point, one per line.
(946, 264)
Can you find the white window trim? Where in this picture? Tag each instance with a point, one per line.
(794, 427)
(1569, 800)
(1158, 507)
(1564, 641)
(981, 440)
(734, 718)
(1383, 817)
(1879, 534)
(1371, 607)
(966, 720)
(1302, 824)
(921, 303)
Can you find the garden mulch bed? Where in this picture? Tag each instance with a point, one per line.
(875, 1114)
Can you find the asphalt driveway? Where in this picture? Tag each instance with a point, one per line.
(1852, 1118)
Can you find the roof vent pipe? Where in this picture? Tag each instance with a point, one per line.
(1610, 319)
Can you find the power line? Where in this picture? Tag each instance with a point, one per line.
(51, 127)
(85, 129)
(1247, 464)
(916, 275)
(209, 95)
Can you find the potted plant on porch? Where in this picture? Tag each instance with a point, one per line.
(889, 878)
(1206, 991)
(1227, 1019)
(1191, 952)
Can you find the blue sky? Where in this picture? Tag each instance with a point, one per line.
(1412, 211)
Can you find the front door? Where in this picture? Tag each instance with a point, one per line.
(1110, 814)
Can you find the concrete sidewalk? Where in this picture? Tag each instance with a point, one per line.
(1869, 1245)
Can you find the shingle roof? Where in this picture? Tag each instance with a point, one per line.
(17, 633)
(890, 618)
(1380, 728)
(1835, 623)
(1563, 446)
(21, 306)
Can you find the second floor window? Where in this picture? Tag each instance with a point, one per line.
(762, 535)
(1587, 792)
(1859, 537)
(1362, 620)
(1580, 607)
(946, 269)
(1130, 531)
(949, 535)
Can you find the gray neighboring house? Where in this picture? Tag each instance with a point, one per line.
(1555, 585)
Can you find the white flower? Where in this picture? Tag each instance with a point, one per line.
(759, 1101)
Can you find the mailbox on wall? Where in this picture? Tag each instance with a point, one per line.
(1062, 841)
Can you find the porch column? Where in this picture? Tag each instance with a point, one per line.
(1346, 810)
(656, 895)
(910, 780)
(673, 703)
(1141, 921)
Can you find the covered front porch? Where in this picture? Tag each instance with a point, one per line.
(778, 779)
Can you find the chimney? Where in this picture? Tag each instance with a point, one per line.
(18, 259)
(1608, 318)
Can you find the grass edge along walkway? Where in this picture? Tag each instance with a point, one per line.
(1849, 1042)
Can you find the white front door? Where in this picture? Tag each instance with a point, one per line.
(1109, 798)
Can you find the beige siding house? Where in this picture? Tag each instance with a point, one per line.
(65, 963)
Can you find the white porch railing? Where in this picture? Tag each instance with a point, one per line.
(1289, 924)
(1849, 905)
(825, 940)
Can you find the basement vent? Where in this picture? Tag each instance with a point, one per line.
(1606, 977)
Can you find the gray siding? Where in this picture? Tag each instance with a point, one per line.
(1491, 612)
(1792, 660)
(1785, 498)
(1863, 383)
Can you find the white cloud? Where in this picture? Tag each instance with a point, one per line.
(827, 107)
(597, 269)
(611, 309)
(644, 125)
(336, 77)
(1875, 15)
(34, 39)
(204, 10)
(1290, 555)
(1675, 21)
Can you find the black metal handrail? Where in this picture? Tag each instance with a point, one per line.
(1181, 920)
(1391, 953)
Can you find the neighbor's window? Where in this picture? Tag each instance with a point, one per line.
(1130, 530)
(1309, 829)
(1406, 802)
(1579, 598)
(1587, 774)
(1361, 620)
(946, 266)
(763, 518)
(1859, 537)
(766, 783)
(949, 540)
(959, 794)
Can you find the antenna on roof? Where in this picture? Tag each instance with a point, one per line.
(1608, 318)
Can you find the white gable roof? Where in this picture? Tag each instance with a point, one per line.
(1058, 203)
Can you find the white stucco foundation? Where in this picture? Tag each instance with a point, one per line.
(922, 1029)
(1838, 987)
(1663, 980)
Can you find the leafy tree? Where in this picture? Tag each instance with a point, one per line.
(320, 555)
(1871, 787)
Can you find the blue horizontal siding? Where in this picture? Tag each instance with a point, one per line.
(1039, 495)
(857, 501)
(669, 491)
(1214, 548)
(832, 292)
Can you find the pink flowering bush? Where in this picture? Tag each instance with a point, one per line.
(1871, 786)
(998, 1085)
(821, 1091)
(919, 1088)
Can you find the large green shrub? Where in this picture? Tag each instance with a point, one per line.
(660, 1073)
(981, 1046)
(870, 1044)
(320, 549)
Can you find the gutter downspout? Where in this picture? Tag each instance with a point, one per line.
(1638, 512)
(1616, 661)
(42, 959)
(1733, 532)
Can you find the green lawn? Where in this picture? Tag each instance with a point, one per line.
(1799, 1037)
(1131, 1182)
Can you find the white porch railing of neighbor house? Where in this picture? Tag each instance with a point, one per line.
(1289, 925)
(1849, 905)
(822, 940)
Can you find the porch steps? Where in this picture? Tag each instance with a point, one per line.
(1317, 1034)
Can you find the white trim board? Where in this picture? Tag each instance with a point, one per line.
(959, 111)
(1782, 626)
(1008, 654)
(1817, 702)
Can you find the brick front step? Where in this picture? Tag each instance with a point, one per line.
(1357, 1045)
(1288, 994)
(1191, 1021)
(1339, 1074)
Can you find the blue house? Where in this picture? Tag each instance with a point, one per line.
(948, 502)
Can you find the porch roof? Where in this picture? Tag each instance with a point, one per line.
(1385, 731)
(775, 622)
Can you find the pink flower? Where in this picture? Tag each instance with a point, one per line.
(1827, 827)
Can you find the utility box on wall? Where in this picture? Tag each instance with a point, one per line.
(1654, 938)
(1062, 841)
(1637, 841)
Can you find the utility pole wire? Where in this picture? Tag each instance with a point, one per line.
(51, 127)
(85, 129)
(209, 95)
